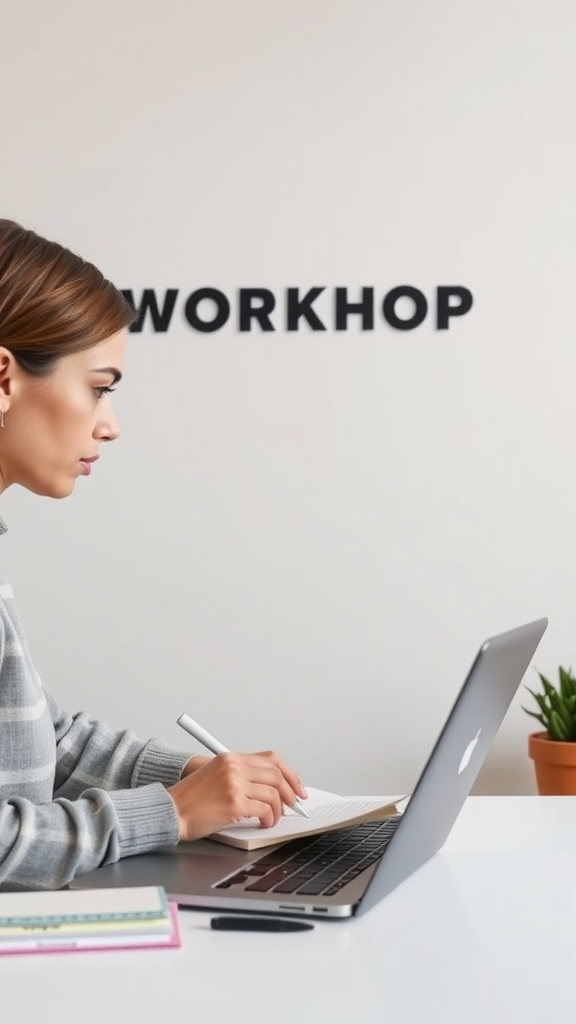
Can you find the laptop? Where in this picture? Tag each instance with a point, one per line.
(343, 873)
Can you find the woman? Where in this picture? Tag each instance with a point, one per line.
(74, 794)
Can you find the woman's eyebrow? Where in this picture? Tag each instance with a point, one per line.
(109, 369)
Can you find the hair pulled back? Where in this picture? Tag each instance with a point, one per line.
(52, 302)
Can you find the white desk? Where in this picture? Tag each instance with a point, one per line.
(485, 933)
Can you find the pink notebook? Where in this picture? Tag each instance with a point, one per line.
(150, 934)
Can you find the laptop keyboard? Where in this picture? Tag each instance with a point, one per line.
(316, 865)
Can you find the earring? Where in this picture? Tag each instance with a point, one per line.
(1, 418)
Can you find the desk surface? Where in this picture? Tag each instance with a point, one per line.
(485, 932)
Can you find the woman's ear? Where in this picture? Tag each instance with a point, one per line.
(7, 378)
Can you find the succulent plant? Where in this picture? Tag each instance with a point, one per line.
(557, 706)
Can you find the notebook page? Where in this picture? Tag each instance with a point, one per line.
(322, 815)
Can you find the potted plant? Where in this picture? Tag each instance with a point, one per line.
(554, 749)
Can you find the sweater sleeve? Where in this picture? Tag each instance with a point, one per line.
(44, 846)
(90, 754)
(74, 794)
(110, 802)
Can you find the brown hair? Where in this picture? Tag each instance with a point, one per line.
(52, 302)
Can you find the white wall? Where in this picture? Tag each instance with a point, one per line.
(302, 538)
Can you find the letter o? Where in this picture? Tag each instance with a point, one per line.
(389, 307)
(222, 309)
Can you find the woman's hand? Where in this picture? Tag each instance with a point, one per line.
(229, 787)
(196, 761)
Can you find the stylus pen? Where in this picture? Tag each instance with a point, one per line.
(189, 725)
(257, 924)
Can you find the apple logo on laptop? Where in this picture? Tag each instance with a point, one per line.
(468, 753)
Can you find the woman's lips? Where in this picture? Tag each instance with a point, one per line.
(87, 464)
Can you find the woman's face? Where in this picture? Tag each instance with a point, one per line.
(53, 426)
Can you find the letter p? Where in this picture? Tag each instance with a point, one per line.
(445, 308)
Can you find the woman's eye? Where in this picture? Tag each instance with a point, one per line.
(104, 391)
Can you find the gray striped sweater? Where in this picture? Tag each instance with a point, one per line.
(74, 794)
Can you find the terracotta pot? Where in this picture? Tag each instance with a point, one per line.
(554, 763)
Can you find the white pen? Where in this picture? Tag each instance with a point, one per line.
(189, 725)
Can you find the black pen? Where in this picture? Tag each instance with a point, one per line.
(258, 924)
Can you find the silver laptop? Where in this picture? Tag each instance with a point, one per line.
(346, 872)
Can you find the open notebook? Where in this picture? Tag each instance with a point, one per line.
(327, 811)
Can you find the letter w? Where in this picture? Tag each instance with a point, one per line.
(160, 317)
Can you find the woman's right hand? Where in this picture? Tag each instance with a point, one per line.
(231, 787)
